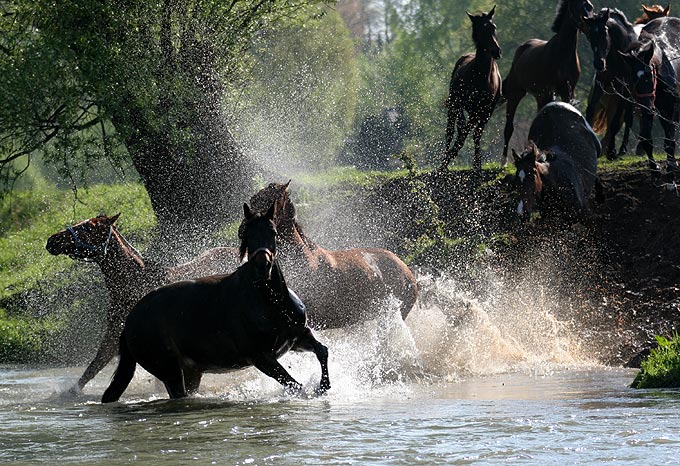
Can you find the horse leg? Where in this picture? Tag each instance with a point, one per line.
(463, 130)
(645, 143)
(123, 375)
(309, 343)
(593, 101)
(268, 365)
(668, 125)
(173, 379)
(509, 124)
(613, 127)
(628, 124)
(192, 380)
(107, 350)
(477, 137)
(451, 117)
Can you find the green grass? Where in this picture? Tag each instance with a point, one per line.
(661, 369)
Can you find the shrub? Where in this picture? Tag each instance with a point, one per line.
(661, 369)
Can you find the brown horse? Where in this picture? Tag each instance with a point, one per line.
(544, 69)
(127, 275)
(650, 13)
(475, 88)
(219, 323)
(340, 288)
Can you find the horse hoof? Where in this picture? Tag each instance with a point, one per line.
(323, 388)
(653, 166)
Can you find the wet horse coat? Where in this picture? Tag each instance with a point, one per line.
(219, 323)
(342, 287)
(127, 275)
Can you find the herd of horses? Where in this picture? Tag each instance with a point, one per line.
(637, 72)
(220, 312)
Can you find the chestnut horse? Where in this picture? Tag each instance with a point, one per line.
(127, 275)
(340, 288)
(653, 12)
(544, 68)
(559, 163)
(475, 88)
(219, 323)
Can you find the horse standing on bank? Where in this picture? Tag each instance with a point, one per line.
(339, 288)
(127, 275)
(610, 103)
(219, 323)
(475, 88)
(544, 69)
(654, 79)
(559, 165)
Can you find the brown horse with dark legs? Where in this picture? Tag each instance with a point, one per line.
(339, 288)
(544, 69)
(219, 323)
(127, 275)
(475, 88)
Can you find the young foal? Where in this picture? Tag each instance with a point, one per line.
(475, 88)
(219, 323)
(544, 68)
(340, 288)
(127, 275)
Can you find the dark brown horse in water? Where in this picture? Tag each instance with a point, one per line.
(475, 88)
(559, 166)
(127, 275)
(219, 323)
(544, 69)
(340, 288)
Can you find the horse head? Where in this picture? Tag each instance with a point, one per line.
(484, 33)
(578, 11)
(597, 32)
(531, 168)
(87, 240)
(258, 240)
(642, 65)
(285, 209)
(653, 12)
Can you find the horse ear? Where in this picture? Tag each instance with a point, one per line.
(667, 10)
(271, 212)
(112, 220)
(285, 186)
(606, 13)
(646, 9)
(515, 156)
(469, 15)
(247, 212)
(646, 52)
(491, 13)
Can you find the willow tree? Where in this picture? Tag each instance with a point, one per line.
(135, 79)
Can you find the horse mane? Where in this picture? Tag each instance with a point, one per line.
(561, 15)
(128, 249)
(305, 239)
(619, 15)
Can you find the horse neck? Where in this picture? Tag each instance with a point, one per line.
(484, 61)
(122, 262)
(566, 39)
(621, 34)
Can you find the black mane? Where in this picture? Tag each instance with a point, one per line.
(561, 15)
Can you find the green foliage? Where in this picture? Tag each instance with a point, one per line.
(661, 369)
(23, 340)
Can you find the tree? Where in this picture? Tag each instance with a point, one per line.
(136, 79)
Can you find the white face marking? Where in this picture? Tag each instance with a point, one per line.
(520, 207)
(640, 74)
(522, 175)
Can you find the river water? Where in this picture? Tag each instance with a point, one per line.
(462, 381)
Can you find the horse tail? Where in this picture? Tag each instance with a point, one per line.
(123, 375)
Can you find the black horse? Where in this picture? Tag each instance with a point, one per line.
(610, 102)
(560, 161)
(475, 88)
(654, 78)
(219, 323)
